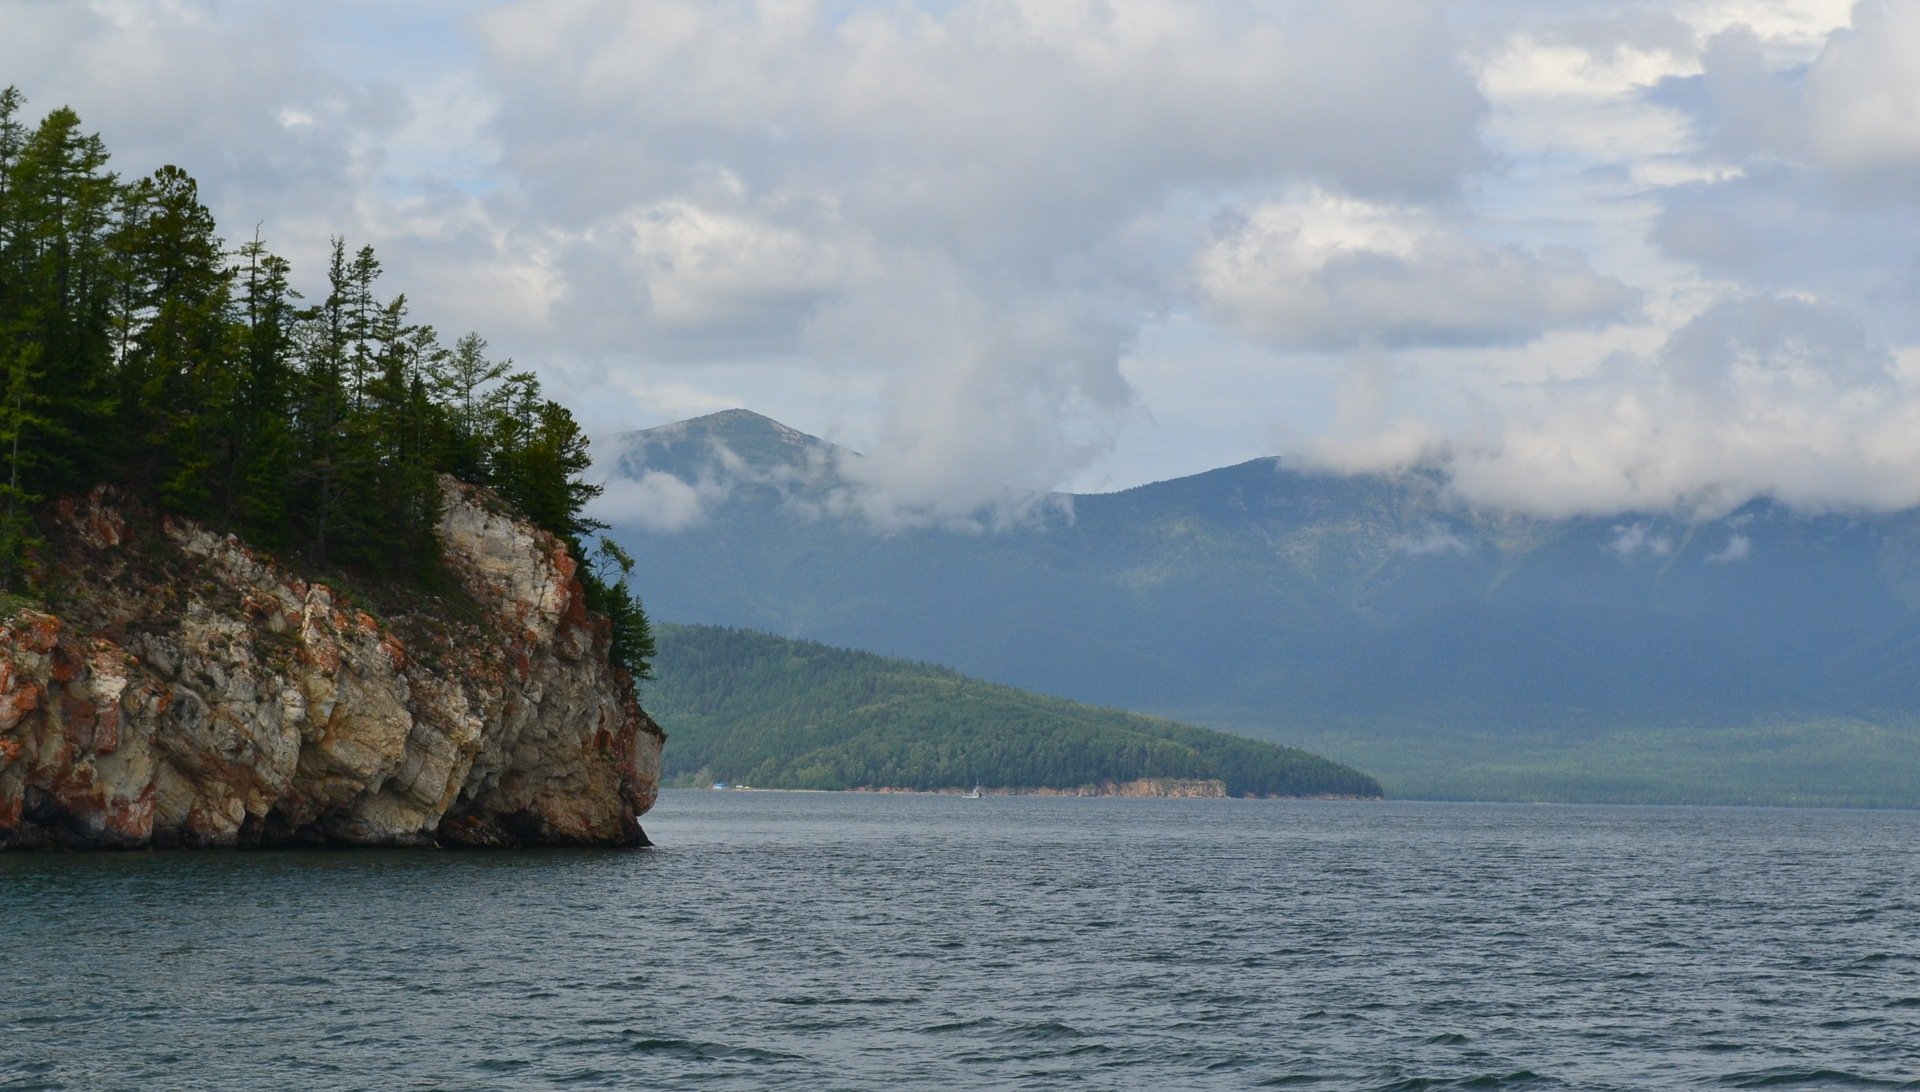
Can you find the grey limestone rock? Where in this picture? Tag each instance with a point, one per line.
(191, 691)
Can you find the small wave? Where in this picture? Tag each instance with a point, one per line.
(953, 1026)
(1004, 1031)
(1795, 1077)
(1045, 1031)
(1523, 1078)
(695, 1050)
(808, 999)
(1081, 1050)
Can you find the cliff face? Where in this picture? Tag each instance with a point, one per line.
(188, 691)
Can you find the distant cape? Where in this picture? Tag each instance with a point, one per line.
(1452, 650)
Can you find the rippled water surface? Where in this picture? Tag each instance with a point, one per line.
(828, 941)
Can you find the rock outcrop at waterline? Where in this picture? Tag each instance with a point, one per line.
(189, 691)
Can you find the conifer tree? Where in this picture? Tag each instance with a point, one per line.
(61, 204)
(539, 456)
(262, 473)
(19, 422)
(472, 387)
(610, 592)
(19, 357)
(179, 394)
(363, 317)
(321, 412)
(134, 349)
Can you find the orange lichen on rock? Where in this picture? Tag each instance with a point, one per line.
(65, 666)
(249, 706)
(40, 633)
(396, 651)
(17, 699)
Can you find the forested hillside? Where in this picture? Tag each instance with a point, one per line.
(1764, 655)
(138, 347)
(749, 707)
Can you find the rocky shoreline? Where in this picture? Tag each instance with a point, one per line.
(183, 689)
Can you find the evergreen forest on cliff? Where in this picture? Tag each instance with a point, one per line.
(778, 713)
(137, 347)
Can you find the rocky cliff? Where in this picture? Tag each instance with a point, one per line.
(182, 689)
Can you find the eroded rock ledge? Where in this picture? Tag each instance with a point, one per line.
(189, 691)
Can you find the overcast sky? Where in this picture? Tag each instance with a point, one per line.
(1588, 256)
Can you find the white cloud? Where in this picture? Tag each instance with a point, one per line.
(991, 397)
(1854, 112)
(1758, 355)
(1738, 548)
(232, 99)
(1707, 233)
(655, 501)
(984, 200)
(1435, 542)
(683, 281)
(1761, 396)
(1592, 56)
(1634, 538)
(1335, 274)
(1588, 256)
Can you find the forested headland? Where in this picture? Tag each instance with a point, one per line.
(140, 347)
(778, 713)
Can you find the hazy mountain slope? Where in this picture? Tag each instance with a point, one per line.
(776, 713)
(1354, 612)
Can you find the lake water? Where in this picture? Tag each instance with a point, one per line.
(781, 940)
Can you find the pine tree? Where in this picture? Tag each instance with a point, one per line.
(263, 467)
(363, 315)
(60, 207)
(179, 393)
(610, 591)
(401, 429)
(19, 421)
(321, 410)
(19, 356)
(471, 386)
(539, 455)
(134, 348)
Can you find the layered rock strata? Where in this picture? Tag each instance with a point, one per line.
(183, 689)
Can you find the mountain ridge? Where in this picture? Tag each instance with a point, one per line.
(1341, 613)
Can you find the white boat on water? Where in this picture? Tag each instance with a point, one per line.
(974, 795)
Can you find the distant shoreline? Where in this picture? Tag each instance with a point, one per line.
(1088, 793)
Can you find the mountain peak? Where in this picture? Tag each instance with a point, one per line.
(731, 425)
(728, 440)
